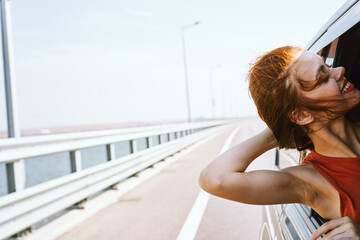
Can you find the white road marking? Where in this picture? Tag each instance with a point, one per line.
(272, 232)
(192, 222)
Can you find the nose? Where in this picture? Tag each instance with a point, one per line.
(339, 73)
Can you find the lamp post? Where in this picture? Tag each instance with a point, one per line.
(12, 118)
(15, 171)
(183, 28)
(212, 89)
(226, 101)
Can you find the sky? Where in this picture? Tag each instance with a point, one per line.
(104, 62)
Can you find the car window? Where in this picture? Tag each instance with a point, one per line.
(343, 51)
(329, 60)
(328, 52)
(324, 51)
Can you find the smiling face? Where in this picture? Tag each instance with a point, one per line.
(321, 82)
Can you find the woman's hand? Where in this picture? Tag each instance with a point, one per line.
(267, 133)
(341, 228)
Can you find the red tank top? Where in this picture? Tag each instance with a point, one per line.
(344, 175)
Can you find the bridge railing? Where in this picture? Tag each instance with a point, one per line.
(23, 208)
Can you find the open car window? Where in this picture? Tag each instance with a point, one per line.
(343, 51)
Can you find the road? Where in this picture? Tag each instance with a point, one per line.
(159, 207)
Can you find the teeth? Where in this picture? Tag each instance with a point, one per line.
(348, 84)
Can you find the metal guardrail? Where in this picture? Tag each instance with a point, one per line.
(21, 209)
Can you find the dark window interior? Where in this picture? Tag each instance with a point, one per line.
(325, 51)
(317, 217)
(348, 54)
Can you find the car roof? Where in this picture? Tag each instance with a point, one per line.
(338, 14)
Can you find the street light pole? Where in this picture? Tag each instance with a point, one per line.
(15, 171)
(183, 28)
(225, 100)
(212, 90)
(12, 117)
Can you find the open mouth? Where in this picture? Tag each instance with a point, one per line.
(347, 86)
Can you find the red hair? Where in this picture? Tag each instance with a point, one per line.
(274, 96)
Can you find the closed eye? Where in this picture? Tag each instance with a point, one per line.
(322, 79)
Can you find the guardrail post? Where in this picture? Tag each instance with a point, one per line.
(110, 151)
(161, 138)
(133, 147)
(149, 142)
(15, 173)
(168, 137)
(75, 161)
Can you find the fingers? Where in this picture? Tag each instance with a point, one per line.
(341, 228)
(330, 225)
(337, 232)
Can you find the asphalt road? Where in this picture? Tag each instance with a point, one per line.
(158, 208)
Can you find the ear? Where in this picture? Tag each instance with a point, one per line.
(301, 117)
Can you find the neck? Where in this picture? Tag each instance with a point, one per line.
(339, 138)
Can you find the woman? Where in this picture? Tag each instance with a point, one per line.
(306, 105)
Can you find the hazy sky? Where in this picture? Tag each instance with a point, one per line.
(95, 62)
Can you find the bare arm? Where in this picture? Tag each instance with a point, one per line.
(226, 177)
